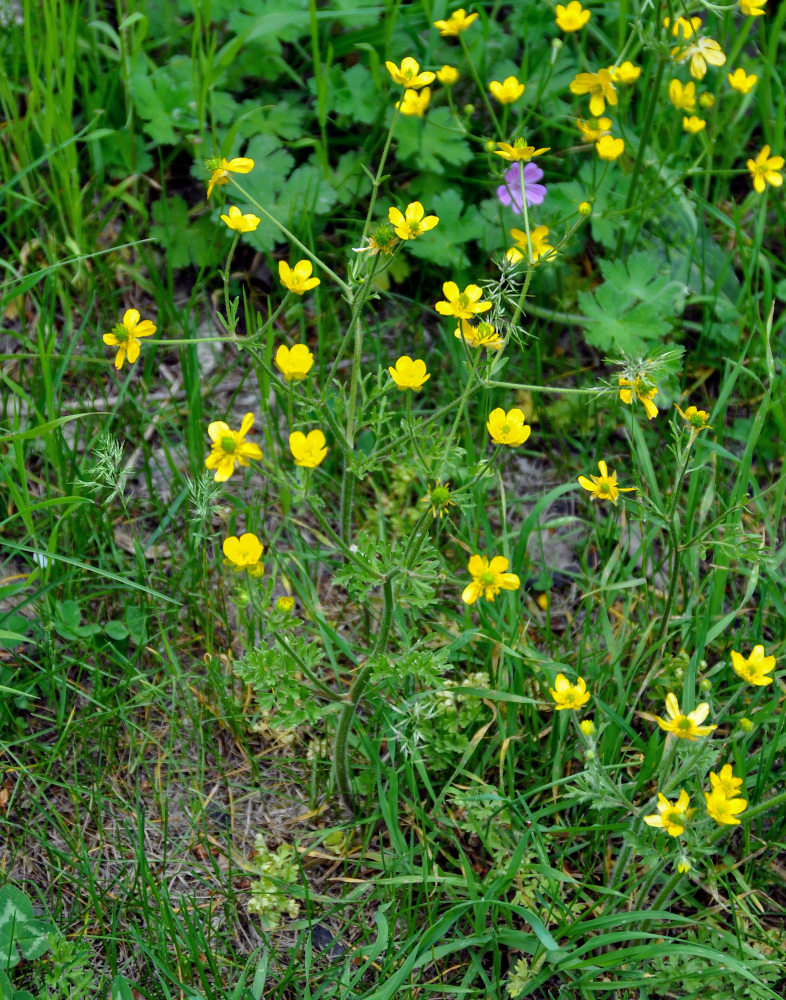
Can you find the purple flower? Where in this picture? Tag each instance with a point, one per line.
(509, 193)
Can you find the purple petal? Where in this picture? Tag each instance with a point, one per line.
(509, 193)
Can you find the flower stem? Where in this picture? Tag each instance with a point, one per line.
(480, 86)
(459, 412)
(340, 748)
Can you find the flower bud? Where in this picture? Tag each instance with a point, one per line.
(746, 725)
(587, 726)
(585, 208)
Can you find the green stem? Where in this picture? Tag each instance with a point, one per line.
(226, 280)
(340, 747)
(375, 185)
(480, 86)
(646, 133)
(525, 210)
(459, 412)
(345, 504)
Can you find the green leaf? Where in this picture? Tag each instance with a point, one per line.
(456, 226)
(121, 989)
(432, 141)
(22, 934)
(626, 332)
(199, 242)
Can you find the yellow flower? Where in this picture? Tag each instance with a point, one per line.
(294, 362)
(230, 447)
(439, 498)
(725, 783)
(519, 150)
(741, 81)
(752, 8)
(707, 100)
(447, 76)
(703, 51)
(239, 222)
(297, 279)
(671, 816)
(724, 810)
(482, 335)
(571, 18)
(626, 74)
(244, 553)
(754, 670)
(488, 578)
(507, 92)
(458, 21)
(592, 130)
(696, 419)
(221, 169)
(683, 25)
(683, 98)
(604, 486)
(693, 124)
(609, 148)
(685, 727)
(414, 103)
(765, 169)
(409, 374)
(567, 695)
(462, 305)
(412, 223)
(585, 208)
(538, 239)
(508, 428)
(124, 336)
(683, 866)
(640, 390)
(309, 449)
(587, 726)
(408, 74)
(599, 86)
(285, 604)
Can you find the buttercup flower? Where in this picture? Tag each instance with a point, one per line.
(696, 419)
(701, 52)
(687, 27)
(707, 100)
(755, 669)
(408, 74)
(382, 240)
(518, 150)
(685, 727)
(683, 97)
(488, 578)
(625, 74)
(587, 726)
(604, 486)
(285, 604)
(639, 389)
(599, 86)
(671, 816)
(724, 810)
(764, 169)
(540, 246)
(507, 92)
(124, 336)
(439, 498)
(413, 222)
(448, 75)
(725, 783)
(221, 169)
(609, 148)
(414, 103)
(297, 279)
(409, 374)
(752, 8)
(458, 21)
(508, 428)
(585, 208)
(571, 18)
(308, 450)
(462, 305)
(482, 335)
(591, 131)
(239, 222)
(244, 553)
(230, 447)
(569, 696)
(509, 193)
(741, 81)
(294, 362)
(693, 124)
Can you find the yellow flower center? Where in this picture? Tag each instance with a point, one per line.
(684, 724)
(506, 428)
(487, 578)
(605, 486)
(121, 333)
(228, 444)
